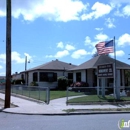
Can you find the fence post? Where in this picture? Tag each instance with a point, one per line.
(98, 86)
(29, 90)
(39, 92)
(48, 95)
(22, 89)
(67, 97)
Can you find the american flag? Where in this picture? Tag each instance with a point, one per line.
(105, 47)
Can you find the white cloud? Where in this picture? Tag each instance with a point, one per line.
(120, 1)
(69, 47)
(98, 38)
(119, 53)
(1, 67)
(87, 40)
(79, 54)
(57, 10)
(2, 73)
(2, 58)
(29, 58)
(59, 54)
(60, 45)
(118, 12)
(2, 13)
(101, 37)
(2, 8)
(98, 10)
(15, 57)
(109, 23)
(122, 12)
(87, 16)
(126, 10)
(124, 40)
(99, 29)
(101, 9)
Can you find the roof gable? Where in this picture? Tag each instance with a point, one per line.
(54, 65)
(99, 60)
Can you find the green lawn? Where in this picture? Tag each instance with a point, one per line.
(95, 98)
(60, 94)
(41, 95)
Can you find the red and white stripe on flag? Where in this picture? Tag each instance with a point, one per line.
(102, 49)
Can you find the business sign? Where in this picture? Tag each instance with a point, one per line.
(105, 70)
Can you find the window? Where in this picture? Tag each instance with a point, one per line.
(78, 76)
(70, 75)
(35, 77)
(22, 76)
(48, 76)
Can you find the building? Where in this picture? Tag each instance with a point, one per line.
(87, 71)
(2, 80)
(46, 75)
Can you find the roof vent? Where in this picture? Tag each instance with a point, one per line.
(69, 63)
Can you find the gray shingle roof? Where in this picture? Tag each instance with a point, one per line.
(54, 65)
(99, 60)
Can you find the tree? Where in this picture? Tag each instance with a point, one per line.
(96, 54)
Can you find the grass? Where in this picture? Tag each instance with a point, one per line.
(41, 95)
(60, 94)
(86, 110)
(95, 98)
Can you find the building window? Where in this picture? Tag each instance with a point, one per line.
(35, 77)
(48, 76)
(70, 75)
(22, 76)
(78, 76)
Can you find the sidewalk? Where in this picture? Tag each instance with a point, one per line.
(56, 107)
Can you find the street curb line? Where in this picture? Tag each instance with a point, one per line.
(69, 114)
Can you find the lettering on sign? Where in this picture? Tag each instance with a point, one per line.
(105, 70)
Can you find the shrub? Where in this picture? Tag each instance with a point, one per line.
(33, 84)
(79, 84)
(62, 83)
(18, 81)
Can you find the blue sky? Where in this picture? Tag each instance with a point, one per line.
(68, 30)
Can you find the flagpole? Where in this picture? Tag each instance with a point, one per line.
(114, 67)
(115, 74)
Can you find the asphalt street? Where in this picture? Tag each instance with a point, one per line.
(73, 122)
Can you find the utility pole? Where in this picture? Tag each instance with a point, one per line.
(8, 54)
(25, 70)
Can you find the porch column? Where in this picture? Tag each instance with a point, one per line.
(74, 76)
(103, 86)
(38, 76)
(123, 78)
(98, 89)
(117, 84)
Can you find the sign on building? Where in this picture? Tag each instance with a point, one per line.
(105, 71)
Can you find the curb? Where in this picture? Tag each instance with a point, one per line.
(1, 109)
(69, 114)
